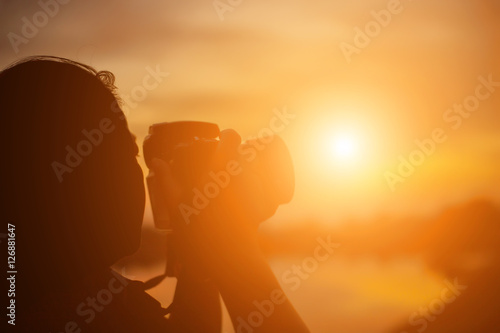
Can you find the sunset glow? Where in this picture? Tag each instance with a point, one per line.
(390, 111)
(344, 147)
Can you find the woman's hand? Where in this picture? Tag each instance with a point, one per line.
(231, 217)
(221, 239)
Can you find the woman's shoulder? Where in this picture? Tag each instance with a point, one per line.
(109, 303)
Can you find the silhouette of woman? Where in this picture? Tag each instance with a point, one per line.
(74, 191)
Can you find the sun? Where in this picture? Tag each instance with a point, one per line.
(340, 147)
(344, 147)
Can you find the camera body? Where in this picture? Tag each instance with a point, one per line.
(188, 147)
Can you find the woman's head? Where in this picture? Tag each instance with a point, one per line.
(74, 187)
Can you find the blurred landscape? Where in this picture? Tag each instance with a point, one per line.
(354, 118)
(384, 270)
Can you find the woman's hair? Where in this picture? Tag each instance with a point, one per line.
(106, 77)
(72, 185)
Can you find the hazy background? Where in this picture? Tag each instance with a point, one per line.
(397, 246)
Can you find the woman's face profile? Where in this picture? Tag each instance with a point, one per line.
(95, 210)
(137, 188)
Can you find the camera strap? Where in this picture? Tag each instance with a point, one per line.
(171, 257)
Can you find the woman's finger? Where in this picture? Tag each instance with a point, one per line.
(167, 182)
(226, 149)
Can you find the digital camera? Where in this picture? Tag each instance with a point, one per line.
(188, 147)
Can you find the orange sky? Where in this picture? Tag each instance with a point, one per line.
(267, 55)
